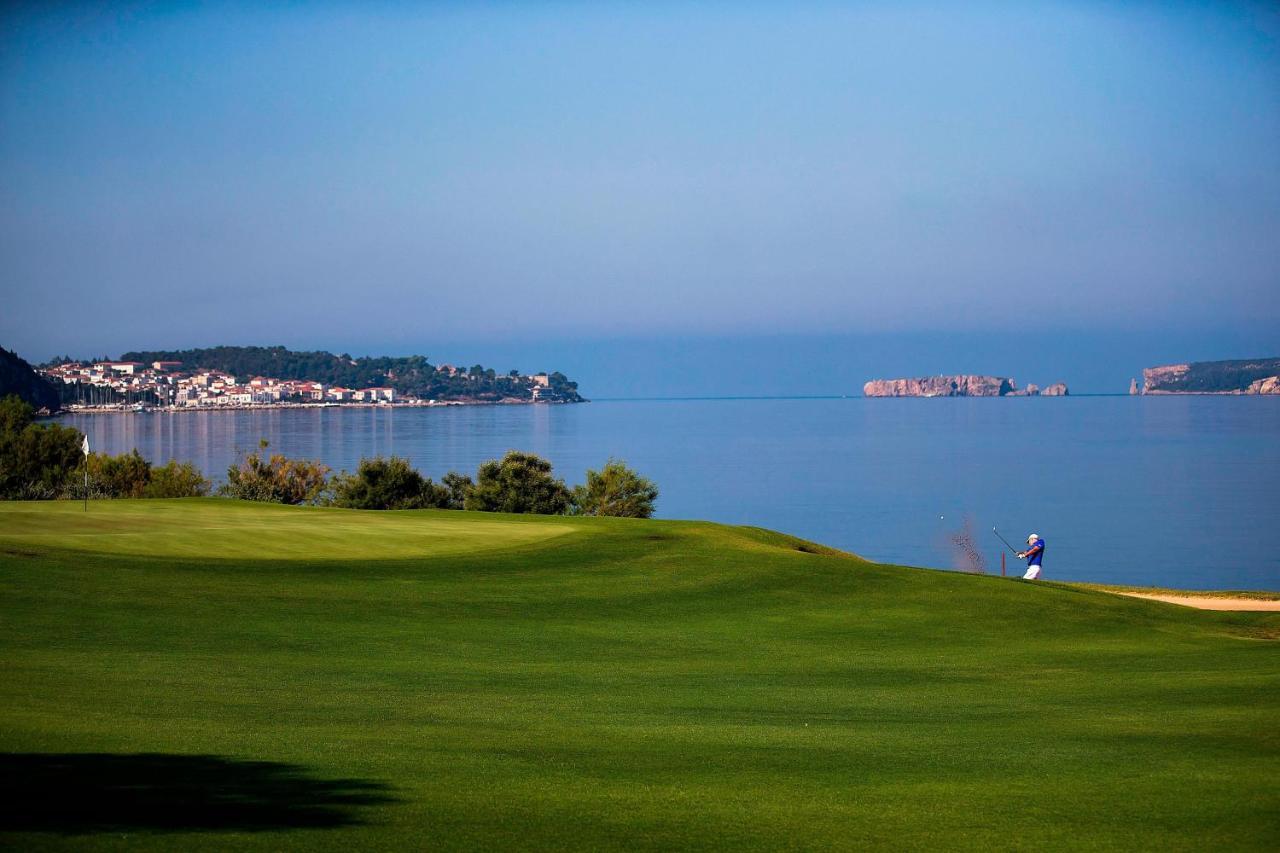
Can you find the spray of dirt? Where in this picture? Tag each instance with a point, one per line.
(965, 555)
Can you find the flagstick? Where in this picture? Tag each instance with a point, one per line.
(85, 449)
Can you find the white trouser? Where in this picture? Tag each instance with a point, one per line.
(1033, 573)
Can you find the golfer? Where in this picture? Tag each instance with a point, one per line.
(1034, 555)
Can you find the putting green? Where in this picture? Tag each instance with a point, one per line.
(209, 674)
(234, 530)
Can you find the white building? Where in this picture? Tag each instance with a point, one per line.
(126, 367)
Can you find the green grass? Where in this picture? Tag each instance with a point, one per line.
(211, 674)
(234, 530)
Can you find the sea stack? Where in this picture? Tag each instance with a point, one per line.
(1133, 387)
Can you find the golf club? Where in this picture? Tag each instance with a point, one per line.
(1005, 541)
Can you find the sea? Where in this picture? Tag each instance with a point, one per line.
(1170, 491)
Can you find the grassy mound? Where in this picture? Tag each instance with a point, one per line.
(188, 674)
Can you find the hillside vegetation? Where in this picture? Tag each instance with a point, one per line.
(20, 379)
(412, 375)
(210, 674)
(1209, 376)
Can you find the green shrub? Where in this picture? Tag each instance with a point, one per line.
(387, 483)
(615, 490)
(276, 479)
(129, 475)
(177, 480)
(519, 482)
(123, 476)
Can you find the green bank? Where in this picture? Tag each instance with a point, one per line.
(212, 674)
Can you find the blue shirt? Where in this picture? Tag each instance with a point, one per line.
(1036, 553)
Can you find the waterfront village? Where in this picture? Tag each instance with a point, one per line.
(139, 386)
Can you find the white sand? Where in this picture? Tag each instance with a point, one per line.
(1206, 603)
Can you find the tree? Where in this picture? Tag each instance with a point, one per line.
(458, 487)
(390, 483)
(15, 415)
(520, 482)
(36, 460)
(615, 490)
(277, 479)
(20, 378)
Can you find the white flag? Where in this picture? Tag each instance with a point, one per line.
(85, 447)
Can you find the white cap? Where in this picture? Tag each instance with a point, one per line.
(1033, 537)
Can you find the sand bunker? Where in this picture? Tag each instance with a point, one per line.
(1207, 603)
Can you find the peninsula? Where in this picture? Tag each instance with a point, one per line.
(961, 385)
(244, 377)
(1241, 376)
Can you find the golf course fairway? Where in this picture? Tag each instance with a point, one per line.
(209, 674)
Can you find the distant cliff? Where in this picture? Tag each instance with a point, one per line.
(957, 386)
(1243, 376)
(940, 386)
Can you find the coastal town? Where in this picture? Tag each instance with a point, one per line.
(170, 385)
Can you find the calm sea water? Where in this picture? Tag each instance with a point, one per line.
(1169, 491)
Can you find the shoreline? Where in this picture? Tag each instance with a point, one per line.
(1236, 393)
(121, 409)
(241, 407)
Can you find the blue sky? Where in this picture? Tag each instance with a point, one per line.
(1074, 189)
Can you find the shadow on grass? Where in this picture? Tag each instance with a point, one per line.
(79, 793)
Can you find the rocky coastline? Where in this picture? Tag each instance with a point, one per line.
(1259, 376)
(959, 385)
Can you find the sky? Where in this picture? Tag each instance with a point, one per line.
(658, 198)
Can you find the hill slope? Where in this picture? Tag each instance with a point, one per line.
(335, 679)
(1208, 377)
(20, 378)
